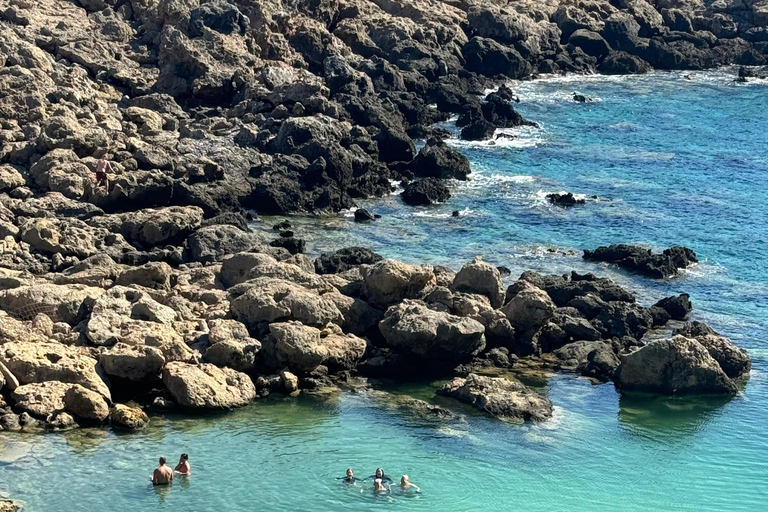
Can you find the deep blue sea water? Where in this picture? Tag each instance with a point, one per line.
(671, 161)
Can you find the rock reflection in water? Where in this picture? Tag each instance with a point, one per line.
(668, 418)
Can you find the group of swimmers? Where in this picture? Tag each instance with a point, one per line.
(163, 475)
(381, 482)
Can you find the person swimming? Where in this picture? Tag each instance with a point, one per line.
(163, 475)
(378, 486)
(406, 484)
(380, 474)
(183, 467)
(350, 477)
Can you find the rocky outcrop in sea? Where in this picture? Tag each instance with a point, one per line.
(146, 289)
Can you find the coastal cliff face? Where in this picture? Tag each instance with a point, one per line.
(152, 287)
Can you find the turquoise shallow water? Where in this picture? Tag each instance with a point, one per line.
(672, 161)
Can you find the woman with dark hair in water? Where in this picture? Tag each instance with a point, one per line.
(381, 476)
(183, 467)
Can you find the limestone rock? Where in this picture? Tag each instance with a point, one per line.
(206, 386)
(135, 363)
(85, 404)
(505, 399)
(40, 399)
(673, 366)
(39, 362)
(482, 278)
(412, 327)
(274, 300)
(389, 281)
(529, 308)
(125, 417)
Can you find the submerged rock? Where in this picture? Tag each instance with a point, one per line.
(503, 398)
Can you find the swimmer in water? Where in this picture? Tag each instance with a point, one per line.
(350, 478)
(406, 484)
(163, 475)
(183, 467)
(380, 474)
(378, 486)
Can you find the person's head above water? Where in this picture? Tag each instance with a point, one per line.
(350, 473)
(404, 480)
(184, 457)
(162, 460)
(379, 473)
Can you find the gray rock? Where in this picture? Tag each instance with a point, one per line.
(673, 366)
(412, 327)
(505, 399)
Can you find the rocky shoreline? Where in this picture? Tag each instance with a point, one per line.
(151, 292)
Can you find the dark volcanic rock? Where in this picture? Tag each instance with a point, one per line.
(437, 160)
(678, 307)
(641, 260)
(487, 57)
(566, 200)
(425, 191)
(345, 259)
(363, 215)
(478, 130)
(291, 244)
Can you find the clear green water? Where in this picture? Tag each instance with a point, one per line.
(672, 161)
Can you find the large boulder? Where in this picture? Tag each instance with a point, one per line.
(126, 417)
(390, 281)
(503, 398)
(734, 360)
(206, 386)
(40, 399)
(591, 42)
(135, 363)
(590, 358)
(623, 319)
(212, 243)
(39, 362)
(529, 307)
(482, 278)
(425, 191)
(85, 405)
(411, 327)
(303, 348)
(161, 226)
(487, 57)
(678, 307)
(438, 160)
(274, 300)
(673, 366)
(236, 353)
(120, 312)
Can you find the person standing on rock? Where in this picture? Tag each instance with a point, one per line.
(163, 475)
(101, 171)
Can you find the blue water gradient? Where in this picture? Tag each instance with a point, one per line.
(671, 161)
